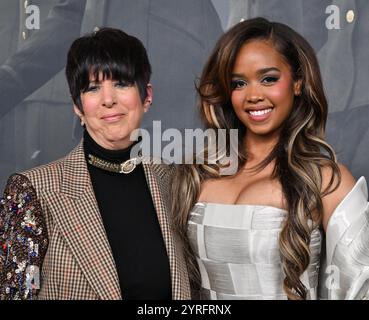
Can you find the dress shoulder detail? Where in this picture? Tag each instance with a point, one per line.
(347, 247)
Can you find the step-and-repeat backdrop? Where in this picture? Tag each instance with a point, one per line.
(37, 124)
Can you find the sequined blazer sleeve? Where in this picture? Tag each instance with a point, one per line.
(346, 266)
(23, 240)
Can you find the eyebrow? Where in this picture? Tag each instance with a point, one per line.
(259, 72)
(94, 81)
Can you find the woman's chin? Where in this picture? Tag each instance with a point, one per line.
(262, 132)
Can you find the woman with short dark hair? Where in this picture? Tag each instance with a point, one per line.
(94, 224)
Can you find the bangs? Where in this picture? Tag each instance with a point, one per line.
(107, 54)
(106, 62)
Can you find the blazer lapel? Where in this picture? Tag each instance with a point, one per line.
(76, 212)
(158, 183)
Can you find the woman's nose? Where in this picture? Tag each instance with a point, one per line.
(254, 94)
(108, 95)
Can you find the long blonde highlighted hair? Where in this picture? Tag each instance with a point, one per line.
(299, 154)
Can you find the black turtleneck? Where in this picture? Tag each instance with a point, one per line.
(131, 226)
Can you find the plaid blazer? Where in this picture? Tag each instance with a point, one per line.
(53, 242)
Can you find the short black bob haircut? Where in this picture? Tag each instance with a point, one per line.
(111, 53)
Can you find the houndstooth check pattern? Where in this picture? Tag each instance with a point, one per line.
(78, 263)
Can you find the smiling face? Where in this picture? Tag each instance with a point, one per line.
(263, 88)
(111, 111)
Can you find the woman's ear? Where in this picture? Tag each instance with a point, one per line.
(148, 99)
(297, 87)
(79, 114)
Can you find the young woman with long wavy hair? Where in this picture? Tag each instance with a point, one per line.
(266, 231)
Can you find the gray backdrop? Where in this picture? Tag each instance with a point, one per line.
(37, 124)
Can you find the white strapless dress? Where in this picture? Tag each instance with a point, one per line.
(237, 251)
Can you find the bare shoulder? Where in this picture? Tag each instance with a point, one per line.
(334, 198)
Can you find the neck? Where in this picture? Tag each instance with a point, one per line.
(258, 147)
(92, 147)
